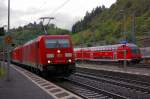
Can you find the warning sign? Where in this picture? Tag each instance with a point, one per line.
(8, 39)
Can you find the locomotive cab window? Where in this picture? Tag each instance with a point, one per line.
(57, 43)
(135, 50)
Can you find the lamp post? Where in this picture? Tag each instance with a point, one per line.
(133, 28)
(8, 56)
(124, 37)
(4, 48)
(123, 24)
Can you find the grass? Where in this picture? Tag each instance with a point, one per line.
(1, 72)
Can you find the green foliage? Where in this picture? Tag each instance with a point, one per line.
(1, 71)
(85, 23)
(31, 31)
(109, 23)
(101, 26)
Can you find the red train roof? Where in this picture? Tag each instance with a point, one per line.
(54, 36)
(106, 47)
(17, 47)
(46, 36)
(112, 47)
(40, 37)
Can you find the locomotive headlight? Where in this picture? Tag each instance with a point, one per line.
(68, 54)
(50, 55)
(69, 60)
(49, 61)
(58, 51)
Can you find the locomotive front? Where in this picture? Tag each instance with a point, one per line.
(58, 55)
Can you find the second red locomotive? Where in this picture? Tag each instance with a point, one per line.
(51, 54)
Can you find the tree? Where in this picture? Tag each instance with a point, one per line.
(2, 31)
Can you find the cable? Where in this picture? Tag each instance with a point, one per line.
(59, 7)
(56, 9)
(45, 2)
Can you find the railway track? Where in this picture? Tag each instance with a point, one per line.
(93, 87)
(130, 78)
(135, 82)
(114, 88)
(83, 90)
(87, 91)
(105, 87)
(140, 65)
(137, 85)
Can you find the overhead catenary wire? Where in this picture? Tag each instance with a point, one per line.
(44, 3)
(54, 11)
(59, 7)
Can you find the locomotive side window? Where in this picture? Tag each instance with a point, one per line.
(135, 50)
(57, 43)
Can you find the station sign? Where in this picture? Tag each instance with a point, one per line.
(8, 39)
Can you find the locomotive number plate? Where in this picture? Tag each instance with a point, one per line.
(59, 55)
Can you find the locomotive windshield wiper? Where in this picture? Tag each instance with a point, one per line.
(58, 45)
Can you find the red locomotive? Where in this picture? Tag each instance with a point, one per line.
(117, 53)
(51, 54)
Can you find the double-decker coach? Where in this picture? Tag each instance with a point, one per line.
(52, 54)
(114, 53)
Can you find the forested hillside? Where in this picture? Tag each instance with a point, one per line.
(32, 30)
(100, 26)
(107, 25)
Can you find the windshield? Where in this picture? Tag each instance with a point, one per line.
(135, 50)
(57, 43)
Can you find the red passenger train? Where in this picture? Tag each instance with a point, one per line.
(52, 54)
(110, 53)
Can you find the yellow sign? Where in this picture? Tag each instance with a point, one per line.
(8, 39)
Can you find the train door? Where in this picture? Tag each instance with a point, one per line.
(37, 55)
(115, 55)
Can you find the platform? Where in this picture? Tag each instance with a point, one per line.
(26, 85)
(129, 70)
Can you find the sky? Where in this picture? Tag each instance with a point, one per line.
(65, 12)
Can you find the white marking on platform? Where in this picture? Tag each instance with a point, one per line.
(146, 74)
(53, 90)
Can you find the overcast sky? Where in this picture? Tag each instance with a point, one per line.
(66, 12)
